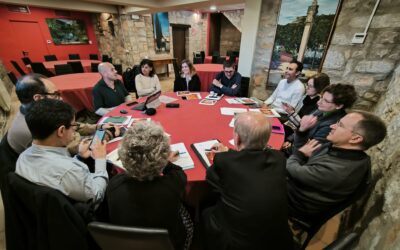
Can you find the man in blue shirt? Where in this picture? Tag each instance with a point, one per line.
(227, 82)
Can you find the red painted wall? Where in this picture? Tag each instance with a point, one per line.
(12, 44)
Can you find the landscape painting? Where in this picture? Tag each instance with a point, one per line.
(67, 31)
(161, 32)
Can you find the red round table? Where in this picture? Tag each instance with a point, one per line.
(193, 122)
(207, 73)
(85, 63)
(76, 89)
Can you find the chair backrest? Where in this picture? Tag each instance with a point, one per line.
(197, 60)
(118, 68)
(214, 59)
(44, 217)
(26, 60)
(106, 58)
(12, 77)
(18, 68)
(74, 56)
(129, 78)
(93, 57)
(244, 87)
(221, 59)
(176, 67)
(39, 68)
(76, 67)
(110, 237)
(94, 67)
(203, 55)
(49, 58)
(63, 69)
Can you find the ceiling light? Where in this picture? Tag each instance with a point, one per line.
(213, 8)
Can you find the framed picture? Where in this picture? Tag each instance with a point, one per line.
(303, 32)
(161, 32)
(67, 31)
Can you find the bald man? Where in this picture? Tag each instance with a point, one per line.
(251, 207)
(109, 92)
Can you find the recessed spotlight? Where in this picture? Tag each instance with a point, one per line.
(213, 8)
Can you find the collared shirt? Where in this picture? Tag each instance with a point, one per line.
(105, 97)
(290, 93)
(55, 168)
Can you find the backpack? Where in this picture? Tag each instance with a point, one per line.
(129, 78)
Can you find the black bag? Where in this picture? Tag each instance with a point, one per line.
(129, 78)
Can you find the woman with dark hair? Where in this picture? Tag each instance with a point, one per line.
(147, 81)
(188, 80)
(150, 193)
(314, 87)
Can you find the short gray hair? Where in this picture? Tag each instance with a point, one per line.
(254, 130)
(144, 150)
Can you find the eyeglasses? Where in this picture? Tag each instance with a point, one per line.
(228, 71)
(76, 125)
(340, 124)
(55, 94)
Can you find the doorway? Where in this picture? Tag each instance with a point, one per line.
(180, 34)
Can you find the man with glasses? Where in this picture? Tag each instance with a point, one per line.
(322, 176)
(31, 88)
(47, 162)
(289, 90)
(227, 82)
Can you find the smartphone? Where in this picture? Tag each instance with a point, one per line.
(276, 127)
(98, 136)
(184, 98)
(131, 103)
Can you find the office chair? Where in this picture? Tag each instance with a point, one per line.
(12, 77)
(49, 58)
(26, 60)
(94, 67)
(197, 60)
(118, 68)
(74, 57)
(93, 57)
(76, 67)
(38, 67)
(18, 68)
(176, 67)
(110, 237)
(63, 69)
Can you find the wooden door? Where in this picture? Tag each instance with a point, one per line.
(179, 33)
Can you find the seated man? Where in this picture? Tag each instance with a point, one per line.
(109, 92)
(289, 90)
(321, 176)
(251, 210)
(227, 82)
(31, 88)
(47, 162)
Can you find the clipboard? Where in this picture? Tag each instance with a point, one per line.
(199, 150)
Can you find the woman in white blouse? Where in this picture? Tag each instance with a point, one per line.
(147, 81)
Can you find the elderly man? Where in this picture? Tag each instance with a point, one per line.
(109, 92)
(321, 176)
(31, 88)
(289, 90)
(251, 210)
(228, 81)
(47, 162)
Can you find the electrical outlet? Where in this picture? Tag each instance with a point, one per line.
(359, 38)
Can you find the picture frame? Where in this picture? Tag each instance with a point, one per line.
(162, 39)
(67, 31)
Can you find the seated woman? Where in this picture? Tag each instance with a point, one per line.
(188, 80)
(147, 81)
(150, 193)
(314, 87)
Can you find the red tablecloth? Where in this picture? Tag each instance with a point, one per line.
(193, 123)
(76, 89)
(207, 73)
(50, 65)
(208, 59)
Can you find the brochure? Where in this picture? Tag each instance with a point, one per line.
(204, 152)
(184, 160)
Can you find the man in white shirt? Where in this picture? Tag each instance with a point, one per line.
(289, 90)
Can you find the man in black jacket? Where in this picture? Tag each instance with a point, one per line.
(251, 208)
(322, 176)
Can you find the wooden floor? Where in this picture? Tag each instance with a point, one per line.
(324, 237)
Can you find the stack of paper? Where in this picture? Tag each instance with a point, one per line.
(232, 111)
(184, 160)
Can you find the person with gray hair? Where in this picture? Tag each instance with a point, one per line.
(150, 193)
(109, 92)
(250, 211)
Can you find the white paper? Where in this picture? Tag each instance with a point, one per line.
(202, 147)
(184, 160)
(114, 158)
(232, 111)
(232, 123)
(232, 142)
(232, 101)
(214, 96)
(166, 99)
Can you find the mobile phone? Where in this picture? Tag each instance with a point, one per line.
(276, 127)
(131, 103)
(184, 98)
(98, 136)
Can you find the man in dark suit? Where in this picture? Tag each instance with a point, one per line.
(251, 208)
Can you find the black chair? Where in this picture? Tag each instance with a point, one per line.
(93, 57)
(221, 59)
(110, 237)
(94, 67)
(12, 77)
(38, 67)
(63, 69)
(49, 58)
(129, 79)
(76, 67)
(312, 224)
(197, 60)
(74, 57)
(118, 68)
(214, 59)
(26, 60)
(18, 68)
(44, 218)
(105, 58)
(244, 87)
(215, 53)
(202, 55)
(176, 67)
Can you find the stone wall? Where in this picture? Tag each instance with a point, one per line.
(230, 37)
(235, 17)
(6, 89)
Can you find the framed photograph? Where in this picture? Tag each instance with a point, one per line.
(67, 31)
(161, 32)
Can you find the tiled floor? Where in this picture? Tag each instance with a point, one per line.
(324, 237)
